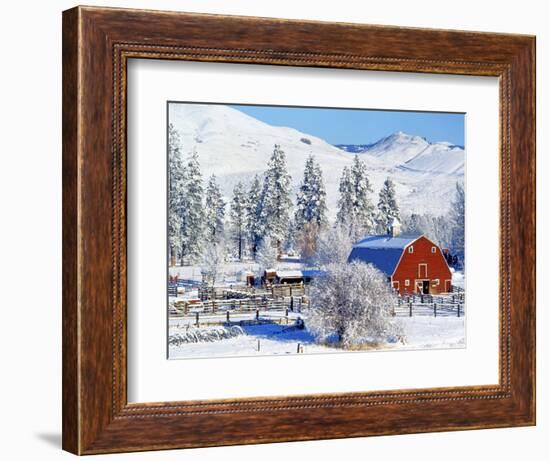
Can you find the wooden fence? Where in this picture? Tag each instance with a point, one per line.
(213, 306)
(223, 302)
(206, 293)
(429, 309)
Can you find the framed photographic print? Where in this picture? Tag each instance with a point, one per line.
(284, 230)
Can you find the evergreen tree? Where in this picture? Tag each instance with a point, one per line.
(275, 199)
(311, 204)
(238, 214)
(176, 191)
(457, 220)
(344, 215)
(362, 206)
(254, 228)
(192, 211)
(387, 207)
(355, 209)
(214, 211)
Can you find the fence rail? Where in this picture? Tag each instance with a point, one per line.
(292, 304)
(429, 309)
(226, 301)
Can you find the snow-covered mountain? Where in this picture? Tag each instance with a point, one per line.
(235, 146)
(413, 153)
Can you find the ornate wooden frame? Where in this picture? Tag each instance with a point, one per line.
(97, 43)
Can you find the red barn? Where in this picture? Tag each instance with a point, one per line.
(413, 264)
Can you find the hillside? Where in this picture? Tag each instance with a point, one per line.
(235, 146)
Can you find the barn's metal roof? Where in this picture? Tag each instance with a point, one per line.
(382, 251)
(385, 241)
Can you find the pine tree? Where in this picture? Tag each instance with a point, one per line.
(192, 211)
(275, 198)
(311, 204)
(238, 214)
(457, 220)
(387, 207)
(176, 191)
(345, 215)
(355, 209)
(214, 211)
(254, 228)
(363, 208)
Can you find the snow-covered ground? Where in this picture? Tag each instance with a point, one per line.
(274, 339)
(458, 278)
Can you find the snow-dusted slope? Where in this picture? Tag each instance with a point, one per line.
(235, 146)
(397, 148)
(439, 157)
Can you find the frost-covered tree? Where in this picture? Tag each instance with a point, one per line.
(352, 303)
(333, 247)
(306, 242)
(387, 207)
(414, 224)
(254, 227)
(213, 259)
(311, 206)
(275, 199)
(457, 219)
(345, 214)
(311, 209)
(176, 193)
(290, 244)
(238, 213)
(267, 254)
(214, 211)
(441, 232)
(436, 228)
(355, 209)
(363, 208)
(192, 214)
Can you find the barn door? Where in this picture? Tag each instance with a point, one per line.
(426, 287)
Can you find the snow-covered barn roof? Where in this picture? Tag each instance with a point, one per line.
(289, 274)
(382, 251)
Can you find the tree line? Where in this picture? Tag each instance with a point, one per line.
(261, 221)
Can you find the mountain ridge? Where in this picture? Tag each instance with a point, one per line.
(235, 146)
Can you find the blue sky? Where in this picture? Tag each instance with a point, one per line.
(361, 126)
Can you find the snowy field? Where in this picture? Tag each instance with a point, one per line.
(273, 339)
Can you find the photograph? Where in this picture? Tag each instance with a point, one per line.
(300, 230)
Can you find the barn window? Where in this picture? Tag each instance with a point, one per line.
(433, 249)
(411, 249)
(407, 282)
(436, 282)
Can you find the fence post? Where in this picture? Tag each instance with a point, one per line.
(197, 319)
(410, 309)
(458, 310)
(258, 315)
(227, 316)
(435, 310)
